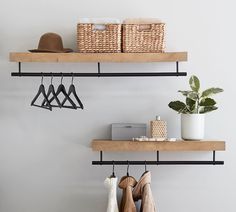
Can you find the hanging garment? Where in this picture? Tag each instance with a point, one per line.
(127, 203)
(143, 191)
(111, 184)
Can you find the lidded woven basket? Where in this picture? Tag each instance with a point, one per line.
(143, 35)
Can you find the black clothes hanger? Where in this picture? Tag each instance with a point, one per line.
(61, 89)
(72, 90)
(127, 168)
(113, 170)
(51, 90)
(43, 92)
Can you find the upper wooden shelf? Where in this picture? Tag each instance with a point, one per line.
(143, 146)
(98, 57)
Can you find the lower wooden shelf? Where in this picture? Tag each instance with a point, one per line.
(98, 57)
(143, 146)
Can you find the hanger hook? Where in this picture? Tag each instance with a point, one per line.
(127, 168)
(61, 77)
(51, 78)
(145, 165)
(42, 78)
(72, 79)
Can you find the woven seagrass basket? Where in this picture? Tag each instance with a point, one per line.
(92, 40)
(158, 129)
(143, 37)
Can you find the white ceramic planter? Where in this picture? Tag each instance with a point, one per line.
(192, 126)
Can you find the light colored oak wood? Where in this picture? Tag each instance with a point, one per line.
(98, 57)
(133, 146)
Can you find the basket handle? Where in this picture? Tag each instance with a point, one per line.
(145, 27)
(99, 27)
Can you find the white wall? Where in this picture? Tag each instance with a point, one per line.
(45, 158)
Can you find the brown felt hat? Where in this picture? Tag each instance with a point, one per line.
(51, 42)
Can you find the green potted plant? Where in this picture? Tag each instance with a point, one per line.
(193, 110)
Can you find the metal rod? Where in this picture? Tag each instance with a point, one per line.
(19, 67)
(99, 72)
(214, 156)
(128, 74)
(177, 66)
(101, 156)
(158, 162)
(157, 155)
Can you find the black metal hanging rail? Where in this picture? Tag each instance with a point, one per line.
(157, 162)
(98, 73)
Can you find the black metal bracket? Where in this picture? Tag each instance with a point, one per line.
(156, 162)
(98, 74)
(19, 67)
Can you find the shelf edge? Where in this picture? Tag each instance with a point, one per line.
(137, 146)
(98, 57)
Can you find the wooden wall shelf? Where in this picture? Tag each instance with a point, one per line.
(134, 146)
(98, 57)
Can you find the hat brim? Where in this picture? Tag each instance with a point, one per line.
(65, 50)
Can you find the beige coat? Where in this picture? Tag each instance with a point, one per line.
(127, 203)
(143, 191)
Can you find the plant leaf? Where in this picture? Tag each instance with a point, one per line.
(194, 83)
(207, 102)
(207, 109)
(211, 91)
(185, 93)
(190, 104)
(193, 95)
(178, 106)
